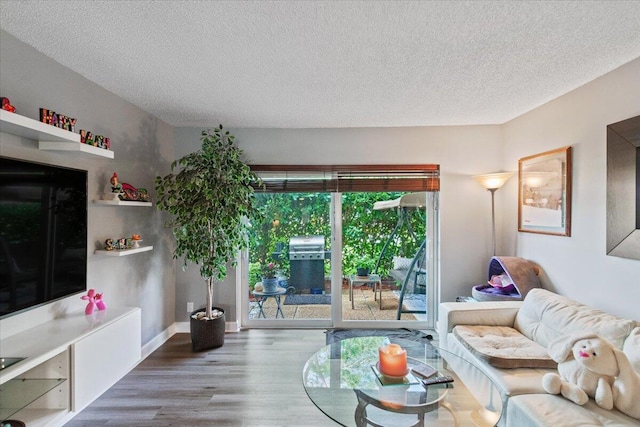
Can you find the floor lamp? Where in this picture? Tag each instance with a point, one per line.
(492, 182)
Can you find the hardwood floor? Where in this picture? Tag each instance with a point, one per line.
(255, 380)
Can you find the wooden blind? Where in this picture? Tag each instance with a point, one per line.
(347, 178)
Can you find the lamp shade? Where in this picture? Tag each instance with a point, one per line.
(493, 181)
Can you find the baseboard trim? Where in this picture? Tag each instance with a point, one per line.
(157, 341)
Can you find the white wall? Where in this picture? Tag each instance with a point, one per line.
(461, 152)
(143, 147)
(578, 266)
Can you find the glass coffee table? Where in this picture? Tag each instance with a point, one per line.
(343, 383)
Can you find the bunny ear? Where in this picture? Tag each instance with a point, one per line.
(625, 369)
(560, 348)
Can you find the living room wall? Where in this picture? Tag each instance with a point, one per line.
(465, 208)
(143, 147)
(577, 266)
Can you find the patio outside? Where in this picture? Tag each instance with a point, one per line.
(367, 233)
(365, 307)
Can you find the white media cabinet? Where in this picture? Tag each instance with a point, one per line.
(68, 362)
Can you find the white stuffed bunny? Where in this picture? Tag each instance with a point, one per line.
(587, 365)
(626, 387)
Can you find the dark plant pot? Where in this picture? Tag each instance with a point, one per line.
(362, 271)
(206, 334)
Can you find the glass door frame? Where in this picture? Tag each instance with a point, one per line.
(336, 320)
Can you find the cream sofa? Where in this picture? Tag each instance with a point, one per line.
(508, 341)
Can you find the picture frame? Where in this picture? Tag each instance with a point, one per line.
(544, 193)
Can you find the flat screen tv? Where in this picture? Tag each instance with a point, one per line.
(43, 234)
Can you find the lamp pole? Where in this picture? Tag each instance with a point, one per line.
(492, 182)
(493, 220)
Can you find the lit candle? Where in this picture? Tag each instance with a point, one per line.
(393, 360)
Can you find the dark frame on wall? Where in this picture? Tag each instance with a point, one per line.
(623, 188)
(544, 193)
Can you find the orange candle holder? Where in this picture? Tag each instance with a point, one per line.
(392, 360)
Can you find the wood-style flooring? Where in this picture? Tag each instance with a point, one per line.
(255, 380)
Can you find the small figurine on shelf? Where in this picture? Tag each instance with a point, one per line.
(108, 244)
(116, 187)
(136, 239)
(100, 302)
(94, 301)
(91, 298)
(6, 105)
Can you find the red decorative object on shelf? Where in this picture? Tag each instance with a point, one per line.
(6, 105)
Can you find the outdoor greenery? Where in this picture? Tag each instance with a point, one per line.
(209, 200)
(365, 230)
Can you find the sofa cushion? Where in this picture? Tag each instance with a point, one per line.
(510, 382)
(401, 263)
(632, 348)
(545, 316)
(546, 410)
(503, 347)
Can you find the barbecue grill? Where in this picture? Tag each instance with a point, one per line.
(306, 259)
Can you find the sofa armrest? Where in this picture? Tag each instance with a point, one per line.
(490, 313)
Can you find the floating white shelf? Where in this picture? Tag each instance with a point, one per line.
(121, 203)
(123, 252)
(48, 137)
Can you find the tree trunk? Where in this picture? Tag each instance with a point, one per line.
(209, 312)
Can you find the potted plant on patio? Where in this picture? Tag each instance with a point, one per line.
(209, 199)
(269, 279)
(364, 265)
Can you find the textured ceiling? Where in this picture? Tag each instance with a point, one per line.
(332, 64)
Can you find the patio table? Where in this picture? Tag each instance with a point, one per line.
(261, 297)
(362, 280)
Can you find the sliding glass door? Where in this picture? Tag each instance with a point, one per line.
(315, 242)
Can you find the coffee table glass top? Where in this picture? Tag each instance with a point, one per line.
(341, 381)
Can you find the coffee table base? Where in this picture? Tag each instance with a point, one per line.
(362, 420)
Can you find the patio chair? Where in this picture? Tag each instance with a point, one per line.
(411, 273)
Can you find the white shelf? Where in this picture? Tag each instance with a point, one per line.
(48, 137)
(122, 203)
(19, 393)
(41, 417)
(123, 252)
(75, 147)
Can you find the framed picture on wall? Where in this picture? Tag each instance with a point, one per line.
(544, 193)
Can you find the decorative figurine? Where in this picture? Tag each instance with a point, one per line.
(94, 301)
(91, 298)
(132, 193)
(100, 302)
(116, 187)
(108, 244)
(6, 105)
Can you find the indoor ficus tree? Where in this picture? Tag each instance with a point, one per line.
(209, 195)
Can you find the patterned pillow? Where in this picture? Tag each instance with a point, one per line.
(400, 263)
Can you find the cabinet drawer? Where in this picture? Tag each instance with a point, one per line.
(104, 357)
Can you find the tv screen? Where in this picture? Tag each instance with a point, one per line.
(43, 234)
